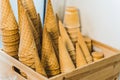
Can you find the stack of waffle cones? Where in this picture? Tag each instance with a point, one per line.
(66, 63)
(9, 29)
(67, 42)
(51, 24)
(28, 53)
(72, 23)
(49, 58)
(35, 18)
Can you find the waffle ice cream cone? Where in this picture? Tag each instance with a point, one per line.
(84, 48)
(66, 63)
(40, 29)
(71, 19)
(28, 53)
(29, 6)
(49, 59)
(80, 58)
(35, 33)
(97, 55)
(7, 20)
(51, 24)
(88, 41)
(67, 41)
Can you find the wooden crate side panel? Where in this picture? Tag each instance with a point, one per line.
(101, 74)
(87, 68)
(31, 75)
(105, 47)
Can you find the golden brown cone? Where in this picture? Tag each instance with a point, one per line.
(40, 29)
(80, 58)
(88, 41)
(7, 21)
(51, 24)
(30, 7)
(35, 33)
(98, 55)
(66, 63)
(49, 59)
(35, 19)
(71, 19)
(84, 48)
(67, 41)
(28, 54)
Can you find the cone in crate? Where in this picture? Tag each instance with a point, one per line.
(51, 24)
(29, 6)
(66, 63)
(49, 59)
(84, 48)
(9, 29)
(71, 19)
(80, 58)
(40, 29)
(88, 41)
(35, 33)
(7, 21)
(28, 53)
(67, 41)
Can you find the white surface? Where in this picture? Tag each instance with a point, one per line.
(100, 19)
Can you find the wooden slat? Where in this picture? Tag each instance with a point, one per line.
(32, 75)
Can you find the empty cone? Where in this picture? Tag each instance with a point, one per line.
(7, 21)
(51, 24)
(71, 19)
(84, 48)
(49, 59)
(80, 58)
(66, 63)
(29, 6)
(40, 29)
(35, 33)
(28, 54)
(88, 41)
(67, 41)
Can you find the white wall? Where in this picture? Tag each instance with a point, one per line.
(100, 19)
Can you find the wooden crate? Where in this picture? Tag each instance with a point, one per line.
(107, 68)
